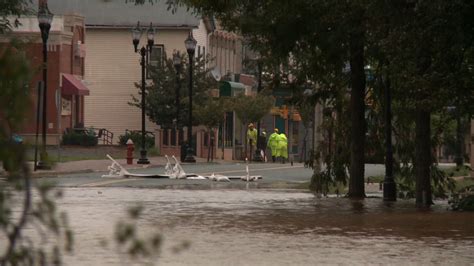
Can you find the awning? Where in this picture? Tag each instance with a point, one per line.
(229, 88)
(73, 86)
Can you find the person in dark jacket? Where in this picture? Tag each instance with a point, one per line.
(262, 145)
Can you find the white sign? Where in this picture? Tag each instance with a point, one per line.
(66, 107)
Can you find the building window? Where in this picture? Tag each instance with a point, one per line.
(155, 58)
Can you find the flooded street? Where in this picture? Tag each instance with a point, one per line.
(268, 227)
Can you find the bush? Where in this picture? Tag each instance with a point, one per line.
(81, 139)
(136, 137)
(464, 200)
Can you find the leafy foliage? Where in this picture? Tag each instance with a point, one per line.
(12, 8)
(420, 50)
(441, 184)
(128, 240)
(335, 155)
(251, 108)
(464, 200)
(34, 204)
(211, 112)
(144, 248)
(74, 138)
(161, 105)
(136, 137)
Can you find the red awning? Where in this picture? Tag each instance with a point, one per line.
(73, 86)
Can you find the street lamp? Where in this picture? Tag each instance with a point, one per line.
(136, 34)
(177, 66)
(190, 44)
(389, 185)
(45, 17)
(258, 154)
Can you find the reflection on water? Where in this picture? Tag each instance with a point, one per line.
(255, 227)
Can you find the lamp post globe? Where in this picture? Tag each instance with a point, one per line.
(190, 44)
(150, 36)
(177, 60)
(258, 151)
(45, 18)
(136, 35)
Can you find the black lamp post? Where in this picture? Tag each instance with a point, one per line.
(389, 185)
(136, 34)
(177, 66)
(258, 154)
(459, 160)
(45, 17)
(190, 44)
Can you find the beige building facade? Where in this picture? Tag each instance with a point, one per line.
(112, 72)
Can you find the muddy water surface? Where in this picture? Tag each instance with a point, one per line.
(268, 227)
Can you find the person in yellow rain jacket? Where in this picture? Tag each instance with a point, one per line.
(282, 147)
(273, 144)
(252, 139)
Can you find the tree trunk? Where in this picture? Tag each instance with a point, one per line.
(357, 108)
(422, 162)
(316, 181)
(459, 159)
(209, 146)
(317, 138)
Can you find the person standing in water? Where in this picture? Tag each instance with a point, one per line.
(262, 145)
(252, 139)
(273, 144)
(283, 147)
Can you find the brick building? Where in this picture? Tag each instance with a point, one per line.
(65, 71)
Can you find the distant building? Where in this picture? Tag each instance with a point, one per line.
(66, 92)
(112, 67)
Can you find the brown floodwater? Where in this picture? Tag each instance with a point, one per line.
(268, 227)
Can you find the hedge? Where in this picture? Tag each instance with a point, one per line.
(81, 139)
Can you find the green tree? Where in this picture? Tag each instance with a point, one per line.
(211, 114)
(251, 108)
(39, 211)
(12, 9)
(422, 50)
(161, 106)
(318, 39)
(429, 75)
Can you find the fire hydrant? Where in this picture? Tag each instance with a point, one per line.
(130, 150)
